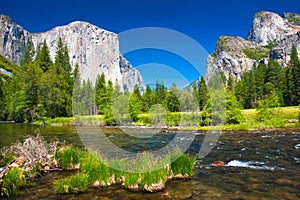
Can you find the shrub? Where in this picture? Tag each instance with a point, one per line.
(173, 119)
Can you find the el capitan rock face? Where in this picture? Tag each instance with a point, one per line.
(12, 39)
(270, 35)
(94, 49)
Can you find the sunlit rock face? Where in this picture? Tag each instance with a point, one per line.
(270, 35)
(12, 39)
(94, 49)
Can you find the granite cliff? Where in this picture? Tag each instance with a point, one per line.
(95, 50)
(270, 35)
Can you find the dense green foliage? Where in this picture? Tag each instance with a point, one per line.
(41, 88)
(67, 157)
(271, 80)
(12, 182)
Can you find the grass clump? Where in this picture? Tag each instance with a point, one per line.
(153, 177)
(95, 169)
(144, 172)
(184, 166)
(6, 159)
(74, 184)
(12, 182)
(131, 179)
(67, 156)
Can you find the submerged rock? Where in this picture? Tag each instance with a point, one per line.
(218, 163)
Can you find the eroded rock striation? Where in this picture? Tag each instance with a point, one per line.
(270, 35)
(95, 50)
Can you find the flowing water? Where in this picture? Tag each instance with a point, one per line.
(259, 165)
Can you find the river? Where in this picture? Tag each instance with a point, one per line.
(259, 165)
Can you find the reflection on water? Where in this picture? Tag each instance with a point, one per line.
(259, 165)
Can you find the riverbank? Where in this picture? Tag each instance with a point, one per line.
(288, 118)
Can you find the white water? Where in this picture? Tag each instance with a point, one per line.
(252, 165)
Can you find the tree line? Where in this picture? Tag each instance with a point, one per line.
(280, 85)
(39, 87)
(42, 88)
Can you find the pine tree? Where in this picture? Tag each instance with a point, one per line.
(172, 103)
(101, 94)
(233, 108)
(28, 53)
(289, 87)
(250, 90)
(43, 59)
(160, 92)
(295, 67)
(62, 60)
(230, 83)
(147, 99)
(273, 80)
(260, 76)
(203, 94)
(77, 92)
(138, 96)
(134, 109)
(23, 99)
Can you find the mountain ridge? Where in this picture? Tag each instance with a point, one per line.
(270, 35)
(96, 50)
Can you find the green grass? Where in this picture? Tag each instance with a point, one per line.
(138, 173)
(96, 170)
(184, 165)
(13, 181)
(189, 121)
(131, 179)
(73, 184)
(6, 159)
(153, 177)
(67, 156)
(256, 53)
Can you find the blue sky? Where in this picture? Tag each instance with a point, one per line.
(204, 21)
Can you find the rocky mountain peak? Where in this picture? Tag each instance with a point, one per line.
(95, 50)
(12, 38)
(293, 18)
(270, 35)
(268, 27)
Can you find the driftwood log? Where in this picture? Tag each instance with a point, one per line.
(35, 150)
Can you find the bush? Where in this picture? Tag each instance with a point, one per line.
(173, 119)
(144, 119)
